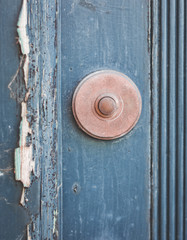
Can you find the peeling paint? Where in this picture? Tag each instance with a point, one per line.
(17, 85)
(22, 201)
(22, 29)
(28, 233)
(23, 154)
(55, 215)
(24, 39)
(37, 151)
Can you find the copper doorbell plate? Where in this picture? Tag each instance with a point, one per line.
(106, 104)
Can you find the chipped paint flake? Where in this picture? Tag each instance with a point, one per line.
(22, 29)
(23, 154)
(23, 38)
(55, 215)
(22, 201)
(28, 233)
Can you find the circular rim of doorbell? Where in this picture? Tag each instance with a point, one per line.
(106, 104)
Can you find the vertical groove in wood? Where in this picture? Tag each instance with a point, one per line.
(169, 208)
(185, 122)
(155, 15)
(172, 120)
(163, 173)
(180, 118)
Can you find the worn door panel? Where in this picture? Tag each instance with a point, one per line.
(79, 187)
(102, 190)
(105, 183)
(13, 217)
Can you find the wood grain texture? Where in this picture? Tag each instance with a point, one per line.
(42, 107)
(41, 201)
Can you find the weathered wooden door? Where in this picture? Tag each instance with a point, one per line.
(72, 186)
(112, 177)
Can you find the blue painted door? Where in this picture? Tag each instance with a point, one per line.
(81, 187)
(72, 186)
(106, 184)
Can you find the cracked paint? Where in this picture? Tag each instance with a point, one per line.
(37, 92)
(22, 29)
(23, 154)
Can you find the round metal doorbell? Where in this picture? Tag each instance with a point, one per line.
(106, 104)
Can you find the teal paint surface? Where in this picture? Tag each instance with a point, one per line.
(17, 164)
(106, 184)
(83, 188)
(169, 55)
